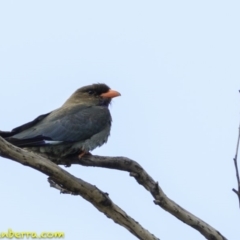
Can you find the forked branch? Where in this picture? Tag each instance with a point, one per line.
(99, 199)
(77, 186)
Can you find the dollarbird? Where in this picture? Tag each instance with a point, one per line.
(80, 125)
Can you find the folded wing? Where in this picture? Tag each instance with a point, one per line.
(62, 125)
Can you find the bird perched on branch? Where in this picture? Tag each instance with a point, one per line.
(80, 125)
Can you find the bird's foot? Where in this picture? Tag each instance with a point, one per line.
(83, 153)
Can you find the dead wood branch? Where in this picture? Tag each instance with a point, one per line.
(98, 198)
(77, 186)
(144, 179)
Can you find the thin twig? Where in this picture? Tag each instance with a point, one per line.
(236, 167)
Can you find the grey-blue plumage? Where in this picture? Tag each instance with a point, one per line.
(79, 126)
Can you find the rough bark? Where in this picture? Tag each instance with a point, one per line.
(77, 186)
(98, 198)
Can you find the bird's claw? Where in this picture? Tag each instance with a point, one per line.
(83, 153)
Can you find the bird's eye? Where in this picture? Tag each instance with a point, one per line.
(90, 92)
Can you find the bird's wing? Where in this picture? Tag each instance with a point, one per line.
(65, 125)
(24, 126)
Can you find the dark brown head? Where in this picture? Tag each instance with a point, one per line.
(96, 94)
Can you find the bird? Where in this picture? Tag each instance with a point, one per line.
(80, 125)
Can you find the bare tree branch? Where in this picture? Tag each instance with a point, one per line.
(236, 167)
(144, 179)
(119, 163)
(75, 185)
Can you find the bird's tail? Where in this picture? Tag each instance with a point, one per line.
(9, 137)
(6, 134)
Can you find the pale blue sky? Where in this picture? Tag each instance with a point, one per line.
(176, 64)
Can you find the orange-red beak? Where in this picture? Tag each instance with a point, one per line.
(110, 94)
